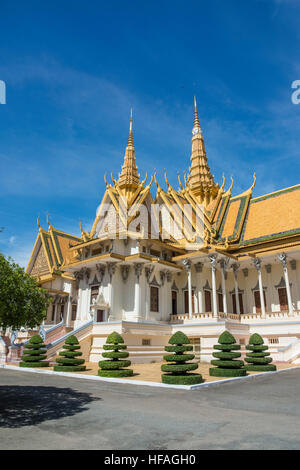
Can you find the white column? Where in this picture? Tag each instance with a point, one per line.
(137, 290)
(111, 269)
(188, 265)
(199, 268)
(257, 264)
(223, 269)
(235, 268)
(282, 258)
(213, 263)
(69, 307)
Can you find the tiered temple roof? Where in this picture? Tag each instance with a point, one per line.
(235, 224)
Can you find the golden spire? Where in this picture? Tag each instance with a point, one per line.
(196, 118)
(200, 180)
(129, 176)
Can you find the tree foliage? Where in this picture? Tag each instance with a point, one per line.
(258, 358)
(116, 362)
(68, 360)
(22, 302)
(177, 368)
(226, 358)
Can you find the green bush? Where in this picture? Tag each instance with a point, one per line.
(258, 360)
(227, 365)
(178, 369)
(67, 361)
(35, 353)
(115, 364)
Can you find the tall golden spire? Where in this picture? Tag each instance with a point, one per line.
(201, 181)
(129, 176)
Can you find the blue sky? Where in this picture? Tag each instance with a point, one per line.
(74, 69)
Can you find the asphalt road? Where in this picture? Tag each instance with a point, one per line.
(51, 412)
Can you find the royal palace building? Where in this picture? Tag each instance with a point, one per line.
(158, 259)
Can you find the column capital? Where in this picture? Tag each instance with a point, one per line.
(235, 269)
(148, 272)
(187, 264)
(283, 259)
(213, 261)
(224, 263)
(257, 264)
(138, 267)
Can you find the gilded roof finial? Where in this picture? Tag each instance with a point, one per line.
(130, 137)
(129, 175)
(254, 181)
(84, 235)
(105, 180)
(168, 184)
(48, 221)
(223, 183)
(113, 179)
(38, 221)
(179, 181)
(196, 118)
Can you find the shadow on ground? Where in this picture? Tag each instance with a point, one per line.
(27, 405)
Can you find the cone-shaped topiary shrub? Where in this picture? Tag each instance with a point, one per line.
(116, 361)
(227, 365)
(178, 371)
(35, 353)
(258, 357)
(67, 360)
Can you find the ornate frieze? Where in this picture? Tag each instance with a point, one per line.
(101, 271)
(268, 268)
(111, 269)
(293, 264)
(125, 268)
(245, 272)
(199, 267)
(162, 276)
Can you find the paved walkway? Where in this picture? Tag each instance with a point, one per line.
(51, 412)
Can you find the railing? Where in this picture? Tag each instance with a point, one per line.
(54, 332)
(79, 332)
(181, 317)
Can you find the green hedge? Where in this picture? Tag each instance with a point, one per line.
(258, 360)
(113, 366)
(177, 370)
(35, 353)
(34, 364)
(69, 368)
(67, 361)
(261, 368)
(226, 363)
(218, 372)
(115, 373)
(187, 379)
(178, 357)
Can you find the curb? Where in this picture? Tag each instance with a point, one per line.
(142, 382)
